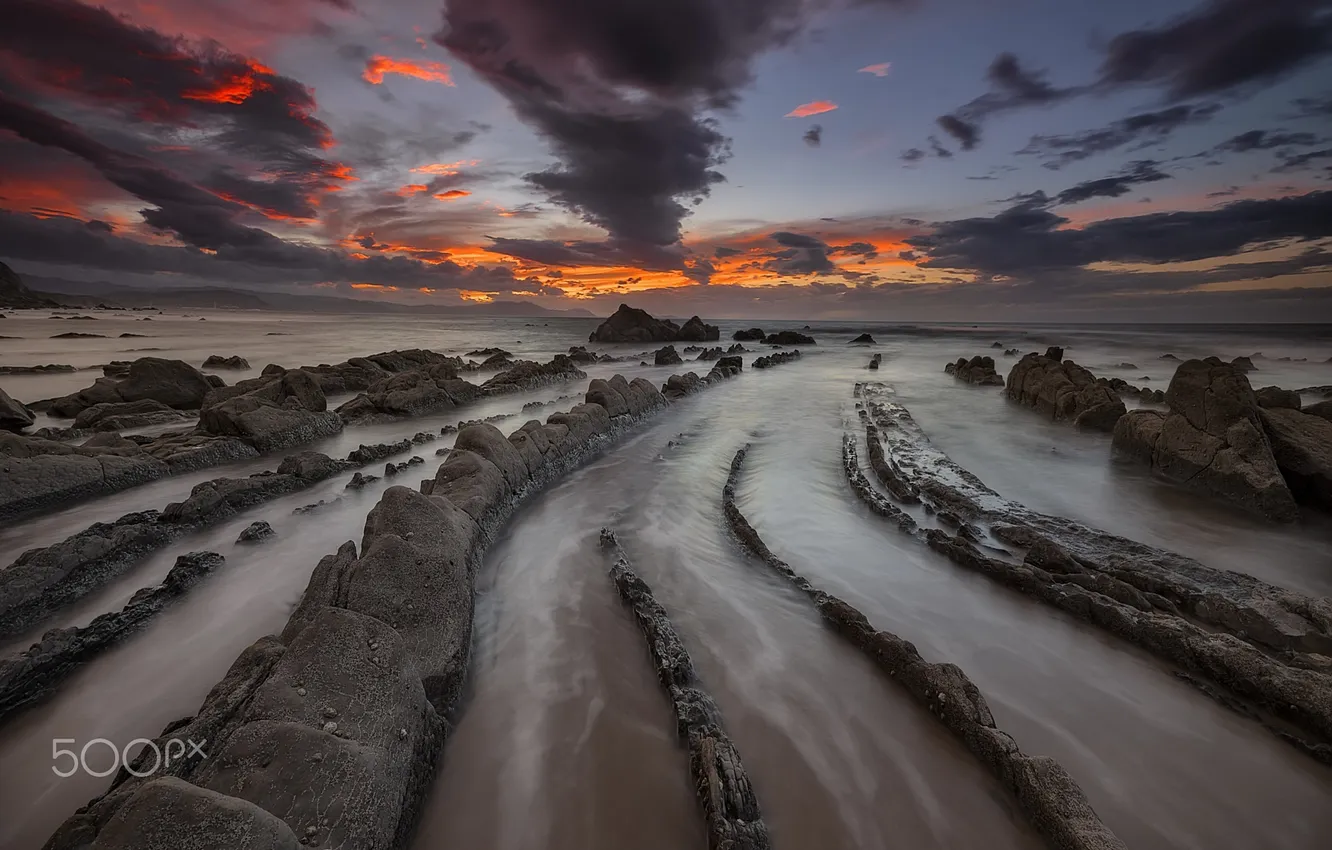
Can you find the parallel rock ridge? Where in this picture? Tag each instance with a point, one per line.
(1064, 391)
(724, 791)
(1261, 650)
(331, 731)
(978, 370)
(1046, 793)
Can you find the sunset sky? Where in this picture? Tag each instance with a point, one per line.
(889, 159)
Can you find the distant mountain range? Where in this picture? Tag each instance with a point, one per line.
(36, 291)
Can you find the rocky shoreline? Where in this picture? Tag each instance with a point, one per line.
(329, 734)
(725, 794)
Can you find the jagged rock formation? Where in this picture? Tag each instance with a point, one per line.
(978, 370)
(217, 361)
(1212, 439)
(789, 338)
(629, 324)
(416, 392)
(33, 674)
(174, 383)
(529, 375)
(14, 415)
(1064, 391)
(1261, 650)
(256, 532)
(1047, 795)
(729, 805)
(123, 416)
(708, 355)
(289, 410)
(751, 335)
(666, 356)
(396, 620)
(863, 339)
(767, 361)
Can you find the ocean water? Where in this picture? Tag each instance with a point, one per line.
(565, 740)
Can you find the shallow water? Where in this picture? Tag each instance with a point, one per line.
(566, 738)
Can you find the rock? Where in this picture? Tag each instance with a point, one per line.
(695, 330)
(360, 480)
(488, 442)
(267, 426)
(488, 353)
(14, 416)
(581, 355)
(736, 348)
(667, 356)
(256, 532)
(14, 294)
(1213, 439)
(1322, 409)
(708, 355)
(996, 345)
(1126, 365)
(175, 383)
(866, 339)
(1275, 397)
(1136, 434)
(529, 375)
(629, 324)
(789, 338)
(978, 370)
(50, 368)
(497, 361)
(1168, 357)
(770, 360)
(875, 361)
(1011, 352)
(217, 361)
(123, 416)
(751, 335)
(1064, 391)
(37, 474)
(1302, 446)
(1244, 364)
(76, 335)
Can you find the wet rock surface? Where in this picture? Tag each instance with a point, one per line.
(126, 415)
(978, 370)
(31, 675)
(751, 335)
(415, 392)
(1064, 391)
(529, 375)
(1048, 796)
(14, 416)
(256, 532)
(725, 794)
(1212, 439)
(287, 411)
(1260, 650)
(174, 383)
(767, 361)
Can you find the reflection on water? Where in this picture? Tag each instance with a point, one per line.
(566, 739)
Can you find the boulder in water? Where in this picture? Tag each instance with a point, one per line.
(667, 356)
(978, 370)
(751, 335)
(866, 339)
(1064, 391)
(14, 416)
(629, 324)
(1244, 364)
(217, 361)
(695, 330)
(789, 338)
(255, 532)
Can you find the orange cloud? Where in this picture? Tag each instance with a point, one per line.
(879, 69)
(478, 297)
(817, 107)
(452, 195)
(377, 287)
(234, 88)
(412, 189)
(431, 72)
(445, 169)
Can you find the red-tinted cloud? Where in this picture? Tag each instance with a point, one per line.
(379, 66)
(452, 195)
(878, 69)
(817, 107)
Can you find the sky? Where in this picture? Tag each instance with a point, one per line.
(915, 160)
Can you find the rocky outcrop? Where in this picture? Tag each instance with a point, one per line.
(256, 532)
(1064, 391)
(1302, 447)
(487, 353)
(875, 361)
(863, 339)
(667, 356)
(46, 369)
(629, 324)
(286, 412)
(413, 393)
(767, 361)
(1322, 409)
(708, 355)
(581, 355)
(33, 674)
(789, 338)
(1045, 793)
(725, 794)
(123, 416)
(978, 370)
(1212, 439)
(14, 415)
(1243, 364)
(1275, 397)
(395, 621)
(36, 474)
(529, 375)
(15, 295)
(751, 335)
(174, 383)
(217, 361)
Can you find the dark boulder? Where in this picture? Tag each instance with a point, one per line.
(487, 353)
(629, 324)
(217, 361)
(14, 416)
(1275, 397)
(529, 375)
(1244, 364)
(256, 532)
(710, 354)
(751, 335)
(866, 339)
(789, 338)
(581, 355)
(1302, 446)
(695, 330)
(978, 370)
(667, 356)
(1322, 409)
(125, 415)
(1064, 391)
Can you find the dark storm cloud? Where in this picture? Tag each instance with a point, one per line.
(1143, 171)
(814, 135)
(1027, 238)
(802, 254)
(966, 133)
(1222, 46)
(1141, 130)
(619, 91)
(723, 252)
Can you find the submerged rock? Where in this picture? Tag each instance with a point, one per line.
(776, 359)
(751, 335)
(1212, 439)
(256, 532)
(789, 338)
(217, 361)
(978, 370)
(667, 356)
(529, 375)
(48, 369)
(866, 339)
(1064, 391)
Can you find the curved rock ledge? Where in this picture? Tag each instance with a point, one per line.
(729, 805)
(333, 729)
(1261, 650)
(36, 672)
(1047, 795)
(41, 581)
